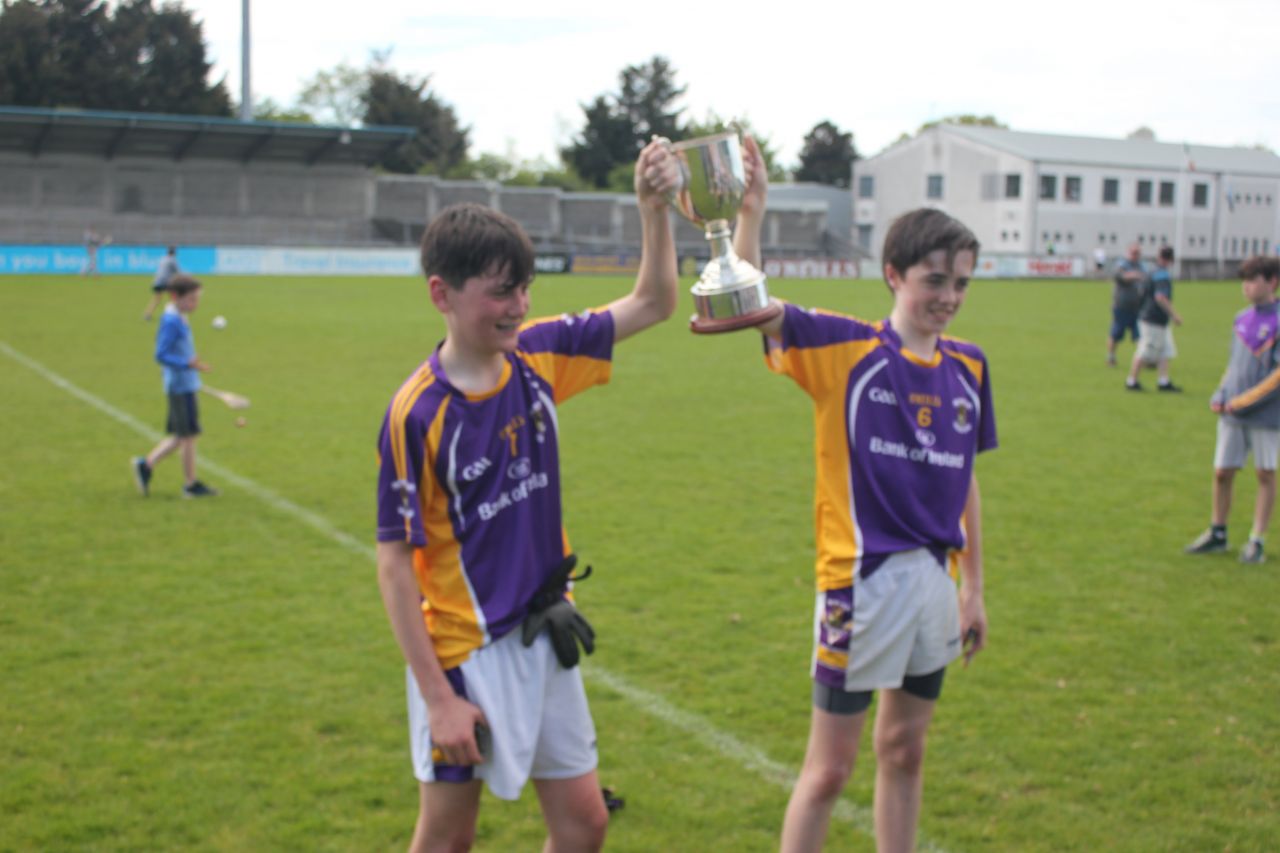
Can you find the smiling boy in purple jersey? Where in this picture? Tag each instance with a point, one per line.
(901, 412)
(469, 522)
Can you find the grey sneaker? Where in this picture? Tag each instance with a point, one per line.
(1207, 543)
(1252, 552)
(198, 490)
(141, 474)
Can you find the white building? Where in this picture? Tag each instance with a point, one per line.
(1032, 195)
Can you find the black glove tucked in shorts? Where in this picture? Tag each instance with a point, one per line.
(562, 620)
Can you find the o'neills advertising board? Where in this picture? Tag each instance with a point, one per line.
(810, 268)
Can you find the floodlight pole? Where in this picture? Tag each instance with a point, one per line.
(246, 89)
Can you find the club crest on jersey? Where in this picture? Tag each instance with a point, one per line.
(964, 415)
(837, 623)
(520, 469)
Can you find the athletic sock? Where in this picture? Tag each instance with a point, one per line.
(1219, 531)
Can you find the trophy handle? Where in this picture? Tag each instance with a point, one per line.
(673, 194)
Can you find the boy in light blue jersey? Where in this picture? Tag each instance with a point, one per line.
(901, 411)
(473, 558)
(176, 354)
(1247, 401)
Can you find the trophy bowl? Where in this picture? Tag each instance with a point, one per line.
(731, 293)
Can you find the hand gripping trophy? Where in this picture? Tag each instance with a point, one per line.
(731, 293)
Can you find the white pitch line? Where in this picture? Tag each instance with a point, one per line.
(703, 731)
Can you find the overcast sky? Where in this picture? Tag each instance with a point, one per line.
(517, 73)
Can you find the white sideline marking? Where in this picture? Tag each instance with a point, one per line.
(704, 732)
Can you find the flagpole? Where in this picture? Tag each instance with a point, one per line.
(246, 85)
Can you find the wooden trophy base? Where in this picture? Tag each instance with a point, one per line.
(713, 326)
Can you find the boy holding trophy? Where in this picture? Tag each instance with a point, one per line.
(901, 412)
(473, 563)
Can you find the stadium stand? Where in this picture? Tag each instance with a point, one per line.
(158, 180)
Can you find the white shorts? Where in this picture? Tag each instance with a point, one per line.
(537, 713)
(1155, 342)
(902, 620)
(1235, 440)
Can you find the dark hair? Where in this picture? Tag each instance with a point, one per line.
(467, 240)
(1166, 253)
(1267, 266)
(181, 285)
(914, 235)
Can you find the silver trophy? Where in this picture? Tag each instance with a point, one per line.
(731, 293)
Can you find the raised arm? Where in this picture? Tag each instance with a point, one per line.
(654, 297)
(746, 235)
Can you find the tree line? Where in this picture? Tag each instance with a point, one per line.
(137, 57)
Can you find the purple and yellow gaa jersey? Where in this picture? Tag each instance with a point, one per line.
(472, 482)
(895, 437)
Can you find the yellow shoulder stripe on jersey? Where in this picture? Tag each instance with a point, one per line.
(1257, 393)
(974, 365)
(401, 405)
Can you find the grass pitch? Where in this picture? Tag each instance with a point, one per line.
(219, 675)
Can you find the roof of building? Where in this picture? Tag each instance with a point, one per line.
(1132, 153)
(106, 134)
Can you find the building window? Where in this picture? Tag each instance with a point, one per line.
(1110, 190)
(1004, 236)
(933, 186)
(1013, 186)
(1144, 192)
(1071, 188)
(1199, 195)
(1166, 193)
(866, 186)
(864, 236)
(1048, 187)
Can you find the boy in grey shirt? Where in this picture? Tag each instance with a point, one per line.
(1248, 404)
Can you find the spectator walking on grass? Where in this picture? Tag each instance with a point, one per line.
(1155, 338)
(1126, 300)
(165, 272)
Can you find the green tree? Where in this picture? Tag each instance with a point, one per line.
(827, 156)
(163, 59)
(440, 145)
(966, 119)
(607, 139)
(28, 62)
(617, 125)
(77, 53)
(267, 109)
(647, 98)
(337, 95)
